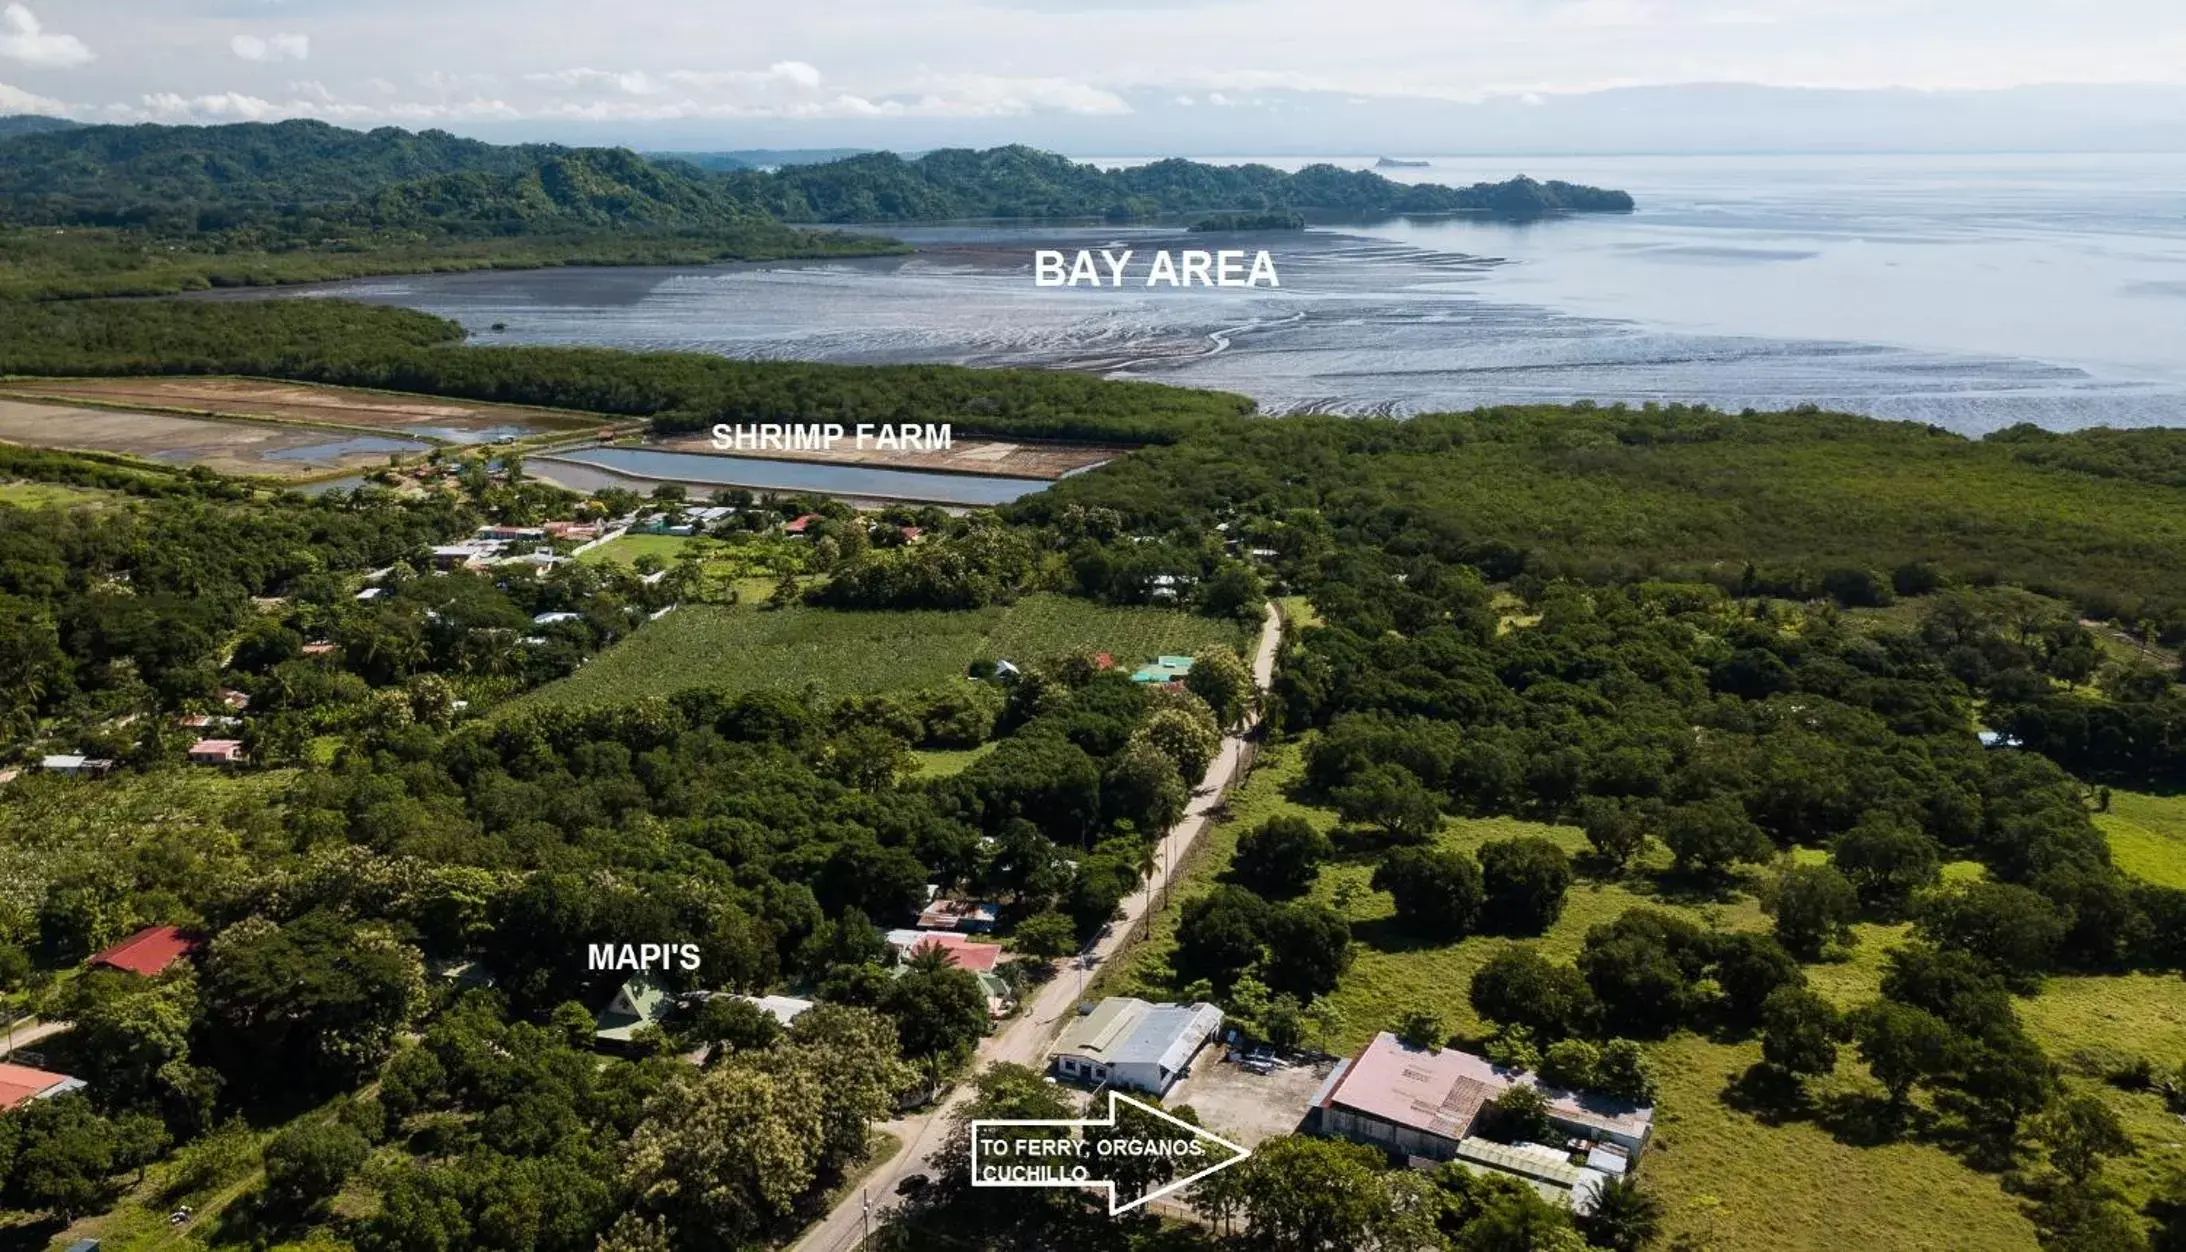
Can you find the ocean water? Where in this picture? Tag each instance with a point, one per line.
(1969, 292)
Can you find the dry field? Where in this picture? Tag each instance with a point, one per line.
(457, 421)
(991, 457)
(248, 448)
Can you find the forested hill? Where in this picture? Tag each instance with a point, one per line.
(1023, 182)
(31, 124)
(190, 179)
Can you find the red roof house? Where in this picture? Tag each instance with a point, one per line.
(977, 958)
(216, 752)
(20, 1084)
(148, 952)
(797, 526)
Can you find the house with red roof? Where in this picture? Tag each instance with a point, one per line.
(20, 1084)
(148, 952)
(798, 526)
(216, 752)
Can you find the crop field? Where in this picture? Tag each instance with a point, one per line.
(245, 448)
(747, 646)
(455, 421)
(2147, 836)
(1732, 1181)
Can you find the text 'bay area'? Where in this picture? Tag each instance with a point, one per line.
(1190, 268)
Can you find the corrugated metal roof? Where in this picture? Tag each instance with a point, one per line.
(1167, 1035)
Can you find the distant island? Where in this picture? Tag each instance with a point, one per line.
(1275, 220)
(1021, 182)
(1398, 163)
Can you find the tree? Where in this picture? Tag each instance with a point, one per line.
(311, 1006)
(1799, 1031)
(1234, 591)
(1185, 736)
(1219, 936)
(1421, 1027)
(1570, 1063)
(1221, 678)
(1749, 968)
(1392, 799)
(1302, 1194)
(307, 1164)
(128, 1028)
(2079, 1132)
(1518, 1115)
(2008, 927)
(1903, 1045)
(1520, 987)
(734, 1023)
(939, 1013)
(1815, 907)
(1623, 1072)
(64, 1153)
(1636, 968)
(1525, 879)
(1622, 1217)
(1886, 861)
(1617, 830)
(1438, 891)
(1144, 788)
(1709, 836)
(1045, 936)
(1308, 949)
(1280, 857)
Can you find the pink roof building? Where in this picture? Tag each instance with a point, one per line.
(1423, 1101)
(20, 1084)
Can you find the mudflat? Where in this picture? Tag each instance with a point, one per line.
(307, 402)
(249, 448)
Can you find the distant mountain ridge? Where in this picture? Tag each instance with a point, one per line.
(300, 174)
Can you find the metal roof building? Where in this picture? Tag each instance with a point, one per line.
(1131, 1043)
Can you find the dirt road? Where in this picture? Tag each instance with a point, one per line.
(1024, 1039)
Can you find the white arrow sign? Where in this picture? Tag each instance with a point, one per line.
(1003, 1159)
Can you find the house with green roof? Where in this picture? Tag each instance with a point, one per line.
(1163, 669)
(643, 1001)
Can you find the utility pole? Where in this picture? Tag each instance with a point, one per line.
(865, 1197)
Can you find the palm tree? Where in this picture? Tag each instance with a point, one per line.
(1622, 1217)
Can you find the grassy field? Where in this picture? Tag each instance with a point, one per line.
(943, 762)
(2147, 836)
(1732, 1182)
(748, 646)
(33, 495)
(756, 559)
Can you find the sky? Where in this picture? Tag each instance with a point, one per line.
(1236, 75)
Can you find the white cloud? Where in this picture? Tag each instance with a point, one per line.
(314, 101)
(16, 100)
(23, 39)
(272, 47)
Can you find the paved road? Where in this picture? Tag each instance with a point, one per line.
(28, 1032)
(1024, 1039)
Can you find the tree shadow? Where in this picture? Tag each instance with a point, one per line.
(1390, 935)
(1768, 1095)
(1856, 1119)
(31, 1236)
